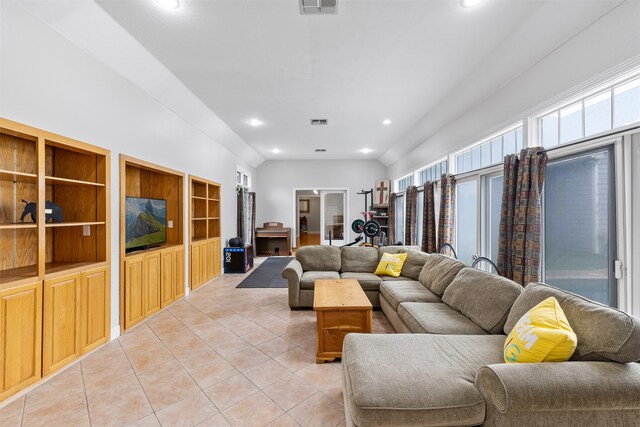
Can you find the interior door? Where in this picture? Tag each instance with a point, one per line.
(333, 217)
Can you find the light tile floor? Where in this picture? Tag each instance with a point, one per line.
(222, 356)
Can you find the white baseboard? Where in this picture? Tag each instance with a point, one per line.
(115, 332)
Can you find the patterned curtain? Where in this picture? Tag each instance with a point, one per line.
(252, 221)
(410, 220)
(520, 245)
(429, 219)
(391, 234)
(446, 224)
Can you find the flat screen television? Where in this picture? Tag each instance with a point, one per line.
(145, 222)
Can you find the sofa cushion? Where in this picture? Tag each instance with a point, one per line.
(406, 291)
(483, 297)
(395, 279)
(396, 250)
(368, 281)
(423, 318)
(604, 333)
(438, 272)
(308, 279)
(413, 264)
(357, 259)
(319, 258)
(416, 379)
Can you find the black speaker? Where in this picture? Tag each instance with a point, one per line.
(238, 260)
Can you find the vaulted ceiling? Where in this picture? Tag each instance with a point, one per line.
(373, 60)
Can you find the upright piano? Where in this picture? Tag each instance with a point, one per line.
(273, 239)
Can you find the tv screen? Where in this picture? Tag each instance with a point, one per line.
(146, 222)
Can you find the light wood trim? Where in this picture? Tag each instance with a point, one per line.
(143, 164)
(66, 181)
(18, 226)
(19, 176)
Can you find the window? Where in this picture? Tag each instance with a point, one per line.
(604, 110)
(467, 220)
(243, 179)
(490, 152)
(403, 183)
(419, 217)
(399, 219)
(492, 210)
(432, 173)
(579, 225)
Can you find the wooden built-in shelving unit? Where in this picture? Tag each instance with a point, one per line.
(54, 276)
(205, 244)
(153, 278)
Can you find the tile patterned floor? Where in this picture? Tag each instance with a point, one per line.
(222, 356)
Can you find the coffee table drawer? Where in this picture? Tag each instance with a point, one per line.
(353, 319)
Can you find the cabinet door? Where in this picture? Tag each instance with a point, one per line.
(196, 260)
(20, 337)
(134, 292)
(217, 257)
(152, 283)
(168, 277)
(61, 335)
(204, 262)
(209, 267)
(179, 273)
(94, 309)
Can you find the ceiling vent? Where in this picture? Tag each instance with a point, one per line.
(318, 7)
(321, 150)
(319, 122)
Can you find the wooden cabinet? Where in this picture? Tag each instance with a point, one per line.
(61, 339)
(94, 309)
(152, 281)
(20, 337)
(204, 251)
(133, 292)
(178, 257)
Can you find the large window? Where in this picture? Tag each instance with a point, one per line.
(489, 152)
(492, 208)
(604, 110)
(579, 225)
(403, 183)
(467, 220)
(419, 217)
(433, 172)
(243, 178)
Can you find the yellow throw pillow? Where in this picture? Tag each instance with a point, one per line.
(543, 334)
(390, 265)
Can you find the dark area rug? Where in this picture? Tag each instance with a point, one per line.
(268, 274)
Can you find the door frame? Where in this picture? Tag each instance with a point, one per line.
(294, 208)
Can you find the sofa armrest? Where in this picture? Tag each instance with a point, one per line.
(293, 273)
(561, 386)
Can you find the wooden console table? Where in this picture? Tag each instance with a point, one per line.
(342, 307)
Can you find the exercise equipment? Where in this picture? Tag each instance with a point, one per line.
(368, 226)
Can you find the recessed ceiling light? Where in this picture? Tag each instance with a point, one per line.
(255, 122)
(366, 150)
(386, 122)
(168, 4)
(470, 3)
(276, 151)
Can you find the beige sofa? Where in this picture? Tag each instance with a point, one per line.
(330, 262)
(451, 372)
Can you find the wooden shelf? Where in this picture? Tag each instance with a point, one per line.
(72, 224)
(198, 197)
(215, 200)
(20, 273)
(55, 269)
(18, 226)
(6, 175)
(198, 219)
(52, 180)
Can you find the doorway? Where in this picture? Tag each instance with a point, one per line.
(307, 218)
(319, 217)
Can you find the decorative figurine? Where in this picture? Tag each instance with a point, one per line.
(52, 211)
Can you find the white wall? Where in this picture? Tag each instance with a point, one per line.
(610, 41)
(276, 179)
(50, 83)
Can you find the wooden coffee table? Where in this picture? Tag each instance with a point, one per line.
(342, 307)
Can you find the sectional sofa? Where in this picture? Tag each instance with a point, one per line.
(447, 368)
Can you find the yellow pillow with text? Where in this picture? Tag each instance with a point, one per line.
(543, 334)
(390, 265)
